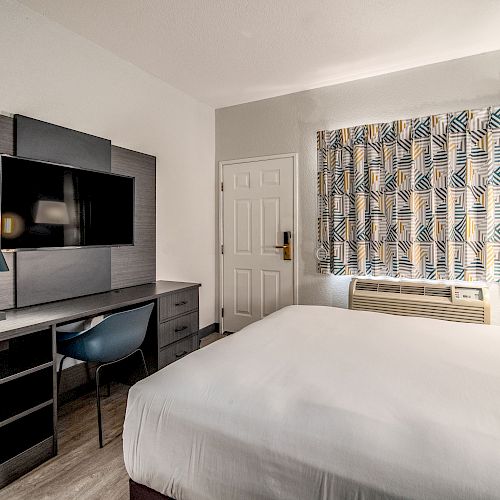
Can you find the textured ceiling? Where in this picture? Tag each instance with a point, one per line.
(226, 52)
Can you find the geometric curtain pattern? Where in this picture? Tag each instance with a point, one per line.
(417, 198)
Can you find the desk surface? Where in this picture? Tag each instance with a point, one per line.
(27, 319)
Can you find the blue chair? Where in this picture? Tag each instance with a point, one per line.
(115, 338)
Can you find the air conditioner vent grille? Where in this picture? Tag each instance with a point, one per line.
(389, 288)
(437, 301)
(368, 285)
(438, 292)
(412, 290)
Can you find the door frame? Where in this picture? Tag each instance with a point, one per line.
(295, 239)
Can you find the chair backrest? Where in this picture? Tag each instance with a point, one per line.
(116, 336)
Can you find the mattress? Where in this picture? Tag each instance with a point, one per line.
(324, 403)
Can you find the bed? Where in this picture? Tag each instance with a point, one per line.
(323, 403)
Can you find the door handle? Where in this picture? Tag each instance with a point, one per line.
(287, 245)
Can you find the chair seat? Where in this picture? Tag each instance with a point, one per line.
(72, 330)
(112, 338)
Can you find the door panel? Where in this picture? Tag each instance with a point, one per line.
(270, 291)
(241, 180)
(269, 225)
(257, 208)
(243, 292)
(270, 178)
(243, 227)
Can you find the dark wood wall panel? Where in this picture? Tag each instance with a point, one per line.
(135, 265)
(7, 283)
(6, 135)
(58, 274)
(7, 279)
(40, 140)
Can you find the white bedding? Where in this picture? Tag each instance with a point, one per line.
(324, 403)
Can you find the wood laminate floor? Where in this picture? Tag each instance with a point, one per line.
(211, 338)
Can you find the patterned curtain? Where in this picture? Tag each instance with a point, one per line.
(416, 198)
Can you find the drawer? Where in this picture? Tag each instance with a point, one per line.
(174, 352)
(177, 303)
(178, 328)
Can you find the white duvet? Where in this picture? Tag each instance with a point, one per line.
(324, 403)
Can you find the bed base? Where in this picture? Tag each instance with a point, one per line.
(141, 492)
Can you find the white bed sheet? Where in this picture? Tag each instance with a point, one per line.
(324, 403)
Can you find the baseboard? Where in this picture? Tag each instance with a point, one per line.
(214, 327)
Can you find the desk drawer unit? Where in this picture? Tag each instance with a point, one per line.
(178, 327)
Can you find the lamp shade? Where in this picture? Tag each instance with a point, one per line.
(3, 264)
(51, 212)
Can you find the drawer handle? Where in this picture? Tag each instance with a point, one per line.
(180, 329)
(181, 303)
(181, 354)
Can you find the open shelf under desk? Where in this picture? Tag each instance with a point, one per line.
(23, 433)
(22, 354)
(21, 394)
(25, 413)
(29, 371)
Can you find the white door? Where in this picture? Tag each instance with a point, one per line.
(258, 208)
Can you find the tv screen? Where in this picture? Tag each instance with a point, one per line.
(50, 205)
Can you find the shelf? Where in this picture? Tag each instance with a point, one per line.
(23, 393)
(26, 431)
(22, 354)
(29, 371)
(25, 413)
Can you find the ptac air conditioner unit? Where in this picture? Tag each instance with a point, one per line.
(467, 304)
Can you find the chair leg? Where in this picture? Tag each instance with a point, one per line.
(98, 397)
(144, 363)
(59, 373)
(87, 369)
(98, 393)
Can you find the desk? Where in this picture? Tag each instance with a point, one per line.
(28, 389)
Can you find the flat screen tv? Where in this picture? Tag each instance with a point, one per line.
(50, 205)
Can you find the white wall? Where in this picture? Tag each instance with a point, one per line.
(50, 73)
(289, 123)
